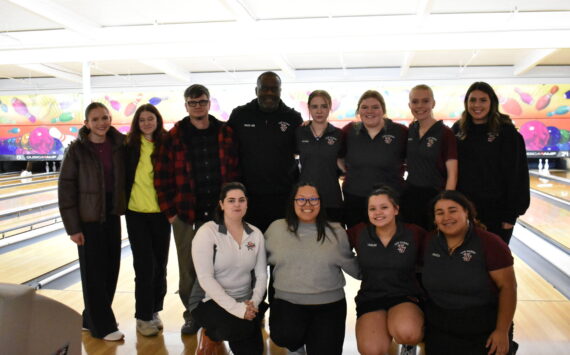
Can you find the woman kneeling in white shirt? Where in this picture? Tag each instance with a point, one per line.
(225, 252)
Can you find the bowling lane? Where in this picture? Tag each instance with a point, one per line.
(28, 200)
(550, 187)
(30, 178)
(549, 219)
(565, 174)
(21, 224)
(30, 187)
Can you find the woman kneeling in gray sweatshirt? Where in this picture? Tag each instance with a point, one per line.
(308, 255)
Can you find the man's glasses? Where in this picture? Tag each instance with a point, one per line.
(313, 201)
(202, 103)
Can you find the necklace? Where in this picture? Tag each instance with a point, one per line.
(451, 249)
(317, 136)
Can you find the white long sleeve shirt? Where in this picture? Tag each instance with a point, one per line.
(223, 267)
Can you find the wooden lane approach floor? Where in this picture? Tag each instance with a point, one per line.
(541, 321)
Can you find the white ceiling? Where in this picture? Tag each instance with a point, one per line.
(118, 39)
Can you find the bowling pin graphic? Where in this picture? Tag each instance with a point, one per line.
(544, 101)
(131, 108)
(21, 108)
(525, 97)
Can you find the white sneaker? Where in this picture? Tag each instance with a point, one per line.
(147, 328)
(157, 321)
(114, 336)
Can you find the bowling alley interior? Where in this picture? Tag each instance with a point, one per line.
(57, 56)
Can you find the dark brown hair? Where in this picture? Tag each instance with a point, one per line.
(134, 135)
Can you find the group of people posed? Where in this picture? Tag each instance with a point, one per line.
(431, 250)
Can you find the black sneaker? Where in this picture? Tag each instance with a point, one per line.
(408, 350)
(190, 327)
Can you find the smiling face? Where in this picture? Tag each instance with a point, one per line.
(370, 112)
(451, 218)
(381, 211)
(98, 121)
(306, 211)
(421, 104)
(268, 91)
(147, 123)
(319, 109)
(234, 205)
(478, 106)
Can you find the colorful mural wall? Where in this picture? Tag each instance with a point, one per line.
(39, 127)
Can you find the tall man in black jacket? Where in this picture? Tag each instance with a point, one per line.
(265, 130)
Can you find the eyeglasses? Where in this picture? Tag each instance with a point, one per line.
(202, 103)
(313, 201)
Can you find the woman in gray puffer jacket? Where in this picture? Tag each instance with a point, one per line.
(91, 193)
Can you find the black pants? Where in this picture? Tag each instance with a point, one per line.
(319, 327)
(415, 206)
(244, 336)
(262, 210)
(355, 210)
(149, 234)
(463, 331)
(99, 262)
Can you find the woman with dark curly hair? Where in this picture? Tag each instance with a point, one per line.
(470, 283)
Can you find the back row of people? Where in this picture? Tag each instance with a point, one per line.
(187, 166)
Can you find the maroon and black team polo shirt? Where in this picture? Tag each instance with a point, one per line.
(389, 271)
(318, 156)
(426, 156)
(462, 280)
(373, 161)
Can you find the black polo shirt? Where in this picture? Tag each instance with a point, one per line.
(373, 161)
(462, 280)
(318, 157)
(389, 271)
(266, 143)
(426, 156)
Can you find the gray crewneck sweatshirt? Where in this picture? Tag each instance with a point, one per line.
(306, 271)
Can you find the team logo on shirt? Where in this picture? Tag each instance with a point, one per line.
(283, 125)
(249, 125)
(468, 255)
(388, 138)
(250, 245)
(306, 141)
(491, 137)
(430, 141)
(401, 246)
(330, 140)
(374, 245)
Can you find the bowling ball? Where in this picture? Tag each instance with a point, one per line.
(40, 140)
(564, 136)
(551, 148)
(57, 147)
(564, 146)
(535, 135)
(554, 134)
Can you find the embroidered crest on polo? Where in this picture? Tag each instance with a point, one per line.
(250, 245)
(491, 137)
(430, 141)
(468, 255)
(330, 140)
(388, 138)
(283, 125)
(401, 246)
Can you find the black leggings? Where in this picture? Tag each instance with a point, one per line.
(460, 331)
(244, 336)
(319, 327)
